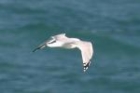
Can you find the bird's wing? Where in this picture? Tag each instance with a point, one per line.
(87, 53)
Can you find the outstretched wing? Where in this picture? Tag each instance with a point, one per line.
(87, 53)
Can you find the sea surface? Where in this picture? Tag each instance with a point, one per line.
(113, 26)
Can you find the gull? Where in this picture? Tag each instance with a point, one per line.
(62, 41)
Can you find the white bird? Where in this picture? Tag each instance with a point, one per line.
(61, 40)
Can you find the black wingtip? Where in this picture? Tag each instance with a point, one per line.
(86, 66)
(36, 49)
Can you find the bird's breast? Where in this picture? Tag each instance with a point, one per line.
(69, 46)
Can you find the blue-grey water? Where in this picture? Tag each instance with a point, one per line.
(113, 26)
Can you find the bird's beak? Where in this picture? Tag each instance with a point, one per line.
(39, 47)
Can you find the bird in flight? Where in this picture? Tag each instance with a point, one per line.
(62, 41)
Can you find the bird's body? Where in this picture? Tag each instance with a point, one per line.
(61, 40)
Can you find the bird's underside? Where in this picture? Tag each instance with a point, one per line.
(61, 40)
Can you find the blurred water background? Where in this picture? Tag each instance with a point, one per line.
(113, 26)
